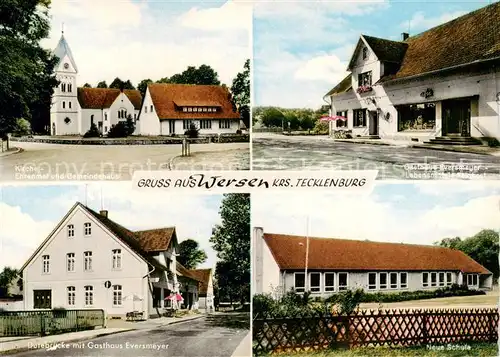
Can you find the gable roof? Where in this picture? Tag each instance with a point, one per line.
(471, 38)
(103, 98)
(344, 254)
(204, 278)
(187, 273)
(167, 97)
(155, 240)
(62, 49)
(345, 85)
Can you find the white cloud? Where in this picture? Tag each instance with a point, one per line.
(361, 218)
(322, 68)
(138, 40)
(190, 214)
(421, 22)
(231, 15)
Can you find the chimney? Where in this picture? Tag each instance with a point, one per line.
(404, 36)
(104, 213)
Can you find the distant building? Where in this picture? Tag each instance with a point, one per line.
(74, 109)
(335, 265)
(89, 261)
(205, 289)
(442, 85)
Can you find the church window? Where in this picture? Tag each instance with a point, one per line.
(69, 105)
(151, 108)
(69, 88)
(67, 120)
(145, 109)
(105, 116)
(64, 104)
(119, 114)
(63, 87)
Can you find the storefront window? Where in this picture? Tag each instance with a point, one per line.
(417, 117)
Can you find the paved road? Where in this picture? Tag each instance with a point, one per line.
(216, 335)
(274, 152)
(92, 162)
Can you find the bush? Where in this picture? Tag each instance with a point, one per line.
(93, 132)
(59, 312)
(192, 132)
(238, 131)
(493, 142)
(23, 128)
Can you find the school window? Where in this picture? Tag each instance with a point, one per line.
(394, 280)
(372, 281)
(87, 229)
(224, 124)
(186, 124)
(329, 281)
(87, 261)
(365, 79)
(45, 264)
(359, 117)
(342, 281)
(442, 282)
(70, 262)
(300, 282)
(71, 230)
(341, 123)
(449, 279)
(71, 295)
(315, 282)
(433, 279)
(205, 124)
(117, 258)
(117, 295)
(89, 295)
(383, 280)
(425, 280)
(403, 280)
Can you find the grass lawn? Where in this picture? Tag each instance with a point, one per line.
(456, 350)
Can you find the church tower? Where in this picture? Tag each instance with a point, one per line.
(64, 112)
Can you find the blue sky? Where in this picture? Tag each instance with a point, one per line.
(138, 39)
(301, 48)
(409, 213)
(29, 213)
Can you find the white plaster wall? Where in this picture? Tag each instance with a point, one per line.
(100, 243)
(179, 127)
(121, 103)
(57, 112)
(266, 271)
(86, 114)
(12, 305)
(149, 122)
(485, 117)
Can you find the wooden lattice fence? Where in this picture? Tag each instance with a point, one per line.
(405, 327)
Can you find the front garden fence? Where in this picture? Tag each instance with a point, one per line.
(371, 328)
(48, 322)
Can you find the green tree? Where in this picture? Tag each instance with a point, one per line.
(482, 247)
(307, 123)
(26, 69)
(6, 278)
(292, 118)
(190, 254)
(87, 85)
(241, 93)
(119, 84)
(143, 85)
(272, 117)
(23, 128)
(231, 241)
(192, 75)
(102, 84)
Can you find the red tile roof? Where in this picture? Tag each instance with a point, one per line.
(186, 272)
(344, 254)
(155, 240)
(166, 95)
(204, 277)
(103, 98)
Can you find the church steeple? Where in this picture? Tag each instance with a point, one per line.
(63, 51)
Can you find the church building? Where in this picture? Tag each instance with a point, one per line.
(74, 109)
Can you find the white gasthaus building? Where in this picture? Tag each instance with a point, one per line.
(74, 109)
(440, 86)
(91, 262)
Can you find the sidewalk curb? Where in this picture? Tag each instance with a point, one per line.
(365, 142)
(17, 151)
(244, 348)
(182, 320)
(450, 150)
(24, 349)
